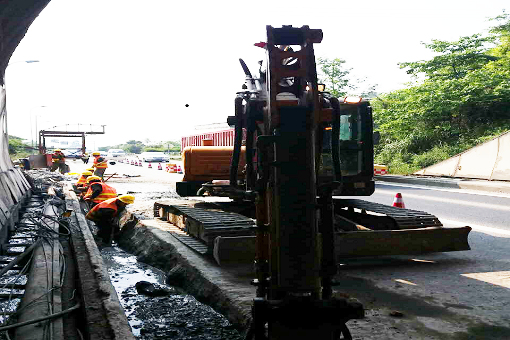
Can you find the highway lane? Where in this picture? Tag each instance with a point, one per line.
(453, 207)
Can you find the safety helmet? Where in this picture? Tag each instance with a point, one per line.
(128, 199)
(86, 173)
(93, 178)
(57, 150)
(96, 153)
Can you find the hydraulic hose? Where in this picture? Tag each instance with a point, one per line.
(238, 140)
(335, 139)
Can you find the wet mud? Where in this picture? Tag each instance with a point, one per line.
(176, 315)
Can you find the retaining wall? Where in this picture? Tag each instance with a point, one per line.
(490, 161)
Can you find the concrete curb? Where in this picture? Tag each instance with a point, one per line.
(226, 289)
(454, 183)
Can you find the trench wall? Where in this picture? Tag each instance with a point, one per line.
(14, 187)
(490, 161)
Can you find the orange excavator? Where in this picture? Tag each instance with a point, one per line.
(296, 150)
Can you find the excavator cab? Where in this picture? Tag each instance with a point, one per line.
(348, 150)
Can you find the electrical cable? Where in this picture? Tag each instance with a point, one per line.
(47, 317)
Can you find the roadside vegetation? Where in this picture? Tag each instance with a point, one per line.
(18, 148)
(136, 147)
(462, 99)
(458, 99)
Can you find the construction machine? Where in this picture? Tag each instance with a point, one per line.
(298, 151)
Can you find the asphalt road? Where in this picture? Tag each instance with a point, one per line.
(452, 206)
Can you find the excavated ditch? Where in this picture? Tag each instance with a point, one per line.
(156, 310)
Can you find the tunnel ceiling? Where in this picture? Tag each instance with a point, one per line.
(16, 17)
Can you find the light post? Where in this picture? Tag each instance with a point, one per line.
(36, 131)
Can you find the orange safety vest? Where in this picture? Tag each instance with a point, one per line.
(82, 181)
(100, 165)
(108, 204)
(107, 192)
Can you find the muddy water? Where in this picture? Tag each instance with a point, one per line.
(176, 315)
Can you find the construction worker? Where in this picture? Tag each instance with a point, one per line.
(98, 191)
(100, 164)
(85, 158)
(58, 161)
(82, 180)
(104, 214)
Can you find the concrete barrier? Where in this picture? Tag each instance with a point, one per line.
(489, 161)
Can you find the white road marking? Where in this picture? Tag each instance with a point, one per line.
(483, 229)
(448, 200)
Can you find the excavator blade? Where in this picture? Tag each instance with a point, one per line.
(401, 242)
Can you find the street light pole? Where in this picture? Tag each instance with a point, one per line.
(36, 128)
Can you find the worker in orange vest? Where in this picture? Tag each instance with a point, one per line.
(104, 215)
(100, 164)
(98, 191)
(58, 160)
(81, 184)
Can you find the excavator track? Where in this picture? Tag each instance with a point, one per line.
(198, 223)
(403, 218)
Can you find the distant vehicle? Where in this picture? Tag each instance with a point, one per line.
(72, 153)
(154, 156)
(115, 153)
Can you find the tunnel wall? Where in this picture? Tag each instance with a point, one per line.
(16, 16)
(490, 161)
(14, 187)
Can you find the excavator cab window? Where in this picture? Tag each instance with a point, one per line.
(356, 151)
(351, 143)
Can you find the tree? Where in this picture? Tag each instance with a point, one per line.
(18, 148)
(334, 75)
(463, 98)
(456, 58)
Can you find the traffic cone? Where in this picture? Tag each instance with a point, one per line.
(149, 166)
(179, 169)
(398, 202)
(160, 167)
(140, 164)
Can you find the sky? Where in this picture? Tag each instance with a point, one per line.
(134, 65)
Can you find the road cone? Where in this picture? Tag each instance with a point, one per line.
(149, 166)
(160, 167)
(140, 164)
(179, 169)
(398, 202)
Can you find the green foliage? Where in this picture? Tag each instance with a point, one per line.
(18, 148)
(463, 100)
(334, 75)
(456, 58)
(136, 147)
